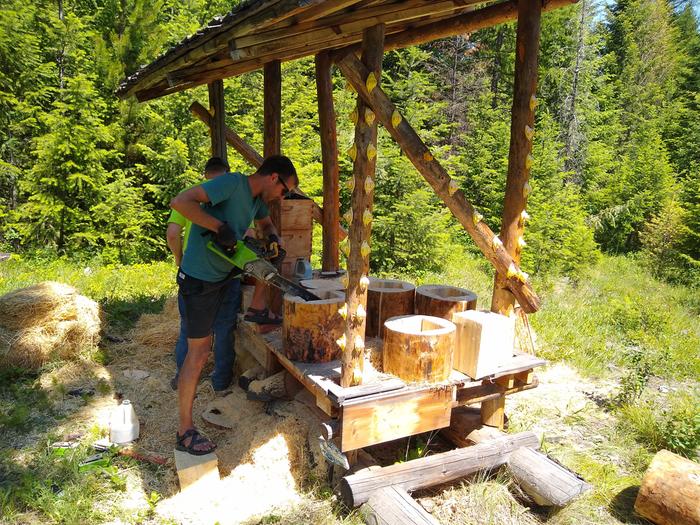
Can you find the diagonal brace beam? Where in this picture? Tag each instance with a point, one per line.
(433, 172)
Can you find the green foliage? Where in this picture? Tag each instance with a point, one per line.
(672, 424)
(617, 314)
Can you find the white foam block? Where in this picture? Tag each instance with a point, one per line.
(484, 342)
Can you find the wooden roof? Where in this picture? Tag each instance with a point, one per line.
(259, 31)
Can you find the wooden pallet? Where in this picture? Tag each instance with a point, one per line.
(385, 407)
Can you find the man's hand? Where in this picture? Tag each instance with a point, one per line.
(226, 237)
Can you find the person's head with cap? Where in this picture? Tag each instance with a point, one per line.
(214, 167)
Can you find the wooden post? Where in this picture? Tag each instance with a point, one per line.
(272, 146)
(329, 155)
(521, 133)
(440, 468)
(365, 155)
(218, 113)
(433, 172)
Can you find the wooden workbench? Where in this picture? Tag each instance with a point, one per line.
(385, 407)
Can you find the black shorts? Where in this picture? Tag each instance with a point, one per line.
(202, 301)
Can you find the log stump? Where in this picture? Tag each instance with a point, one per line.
(387, 298)
(670, 491)
(418, 348)
(443, 301)
(310, 329)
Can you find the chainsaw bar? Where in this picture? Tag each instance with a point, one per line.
(265, 271)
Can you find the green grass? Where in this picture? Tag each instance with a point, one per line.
(617, 312)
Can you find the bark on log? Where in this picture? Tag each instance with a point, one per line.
(394, 506)
(522, 126)
(217, 130)
(545, 481)
(418, 348)
(387, 298)
(329, 157)
(443, 301)
(310, 329)
(272, 145)
(670, 491)
(433, 470)
(365, 147)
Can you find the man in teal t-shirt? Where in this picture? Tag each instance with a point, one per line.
(223, 208)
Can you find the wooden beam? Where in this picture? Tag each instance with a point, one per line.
(394, 506)
(394, 415)
(493, 412)
(365, 158)
(329, 157)
(218, 119)
(522, 126)
(264, 43)
(259, 16)
(193, 73)
(272, 138)
(421, 157)
(433, 470)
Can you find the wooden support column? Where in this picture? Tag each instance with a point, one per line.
(218, 122)
(273, 146)
(433, 172)
(364, 152)
(522, 127)
(329, 155)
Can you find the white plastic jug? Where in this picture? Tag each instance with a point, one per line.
(123, 425)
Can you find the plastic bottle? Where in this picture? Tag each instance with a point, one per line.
(123, 425)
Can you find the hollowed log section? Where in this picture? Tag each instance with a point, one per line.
(310, 328)
(418, 348)
(387, 298)
(670, 491)
(443, 301)
(484, 342)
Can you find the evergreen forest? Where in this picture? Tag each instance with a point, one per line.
(616, 152)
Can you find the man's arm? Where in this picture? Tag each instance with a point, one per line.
(188, 204)
(174, 237)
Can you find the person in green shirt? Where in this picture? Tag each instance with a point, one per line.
(223, 208)
(225, 323)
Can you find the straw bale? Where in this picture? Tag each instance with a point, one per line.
(159, 330)
(46, 321)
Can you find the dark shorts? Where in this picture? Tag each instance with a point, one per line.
(202, 300)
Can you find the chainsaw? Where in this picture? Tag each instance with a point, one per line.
(253, 258)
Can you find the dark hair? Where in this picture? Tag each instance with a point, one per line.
(281, 165)
(216, 163)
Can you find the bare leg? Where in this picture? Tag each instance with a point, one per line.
(197, 354)
(258, 300)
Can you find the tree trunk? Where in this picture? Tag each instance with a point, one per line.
(310, 329)
(443, 301)
(670, 491)
(387, 298)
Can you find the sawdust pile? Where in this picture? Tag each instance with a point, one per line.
(159, 330)
(45, 321)
(263, 461)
